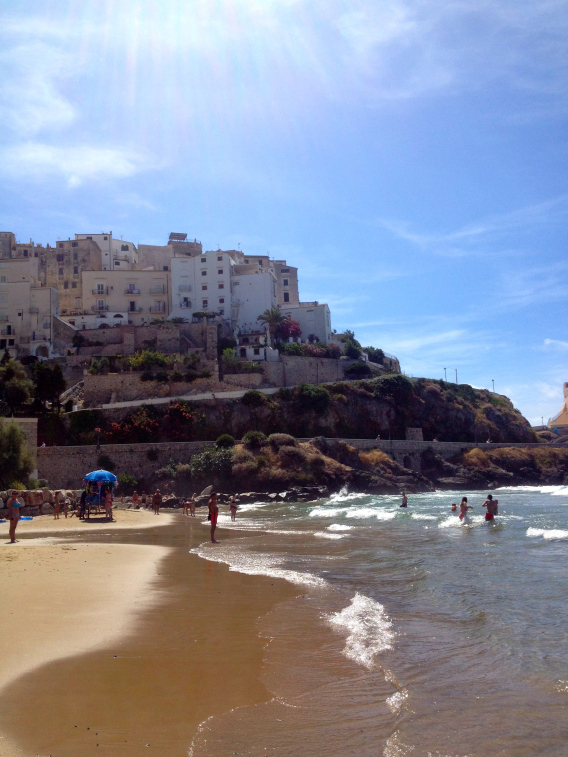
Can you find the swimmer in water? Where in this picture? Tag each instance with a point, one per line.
(491, 505)
(464, 507)
(404, 500)
(454, 507)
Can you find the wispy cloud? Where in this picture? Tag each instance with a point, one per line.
(480, 237)
(36, 161)
(556, 344)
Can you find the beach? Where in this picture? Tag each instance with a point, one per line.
(345, 626)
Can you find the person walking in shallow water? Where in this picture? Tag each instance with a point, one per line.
(213, 515)
(491, 505)
(464, 507)
(404, 500)
(233, 507)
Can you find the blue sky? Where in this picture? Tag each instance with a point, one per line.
(408, 157)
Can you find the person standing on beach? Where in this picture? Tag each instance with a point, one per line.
(56, 506)
(156, 502)
(233, 507)
(404, 500)
(464, 507)
(491, 505)
(14, 505)
(143, 500)
(108, 503)
(192, 505)
(213, 514)
(134, 499)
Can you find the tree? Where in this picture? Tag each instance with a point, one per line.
(5, 358)
(49, 382)
(288, 328)
(272, 317)
(376, 355)
(351, 348)
(15, 463)
(15, 387)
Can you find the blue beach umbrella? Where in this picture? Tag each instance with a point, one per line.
(101, 475)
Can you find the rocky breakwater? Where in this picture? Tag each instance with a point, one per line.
(37, 501)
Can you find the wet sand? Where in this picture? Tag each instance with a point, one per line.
(136, 646)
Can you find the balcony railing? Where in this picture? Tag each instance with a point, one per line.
(100, 291)
(161, 289)
(184, 288)
(185, 305)
(34, 309)
(158, 309)
(7, 331)
(132, 291)
(99, 307)
(135, 309)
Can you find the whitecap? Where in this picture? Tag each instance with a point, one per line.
(339, 527)
(255, 564)
(327, 512)
(420, 516)
(370, 512)
(548, 533)
(325, 535)
(396, 700)
(368, 627)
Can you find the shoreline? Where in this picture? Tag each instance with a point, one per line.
(151, 637)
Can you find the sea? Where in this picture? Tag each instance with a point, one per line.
(412, 633)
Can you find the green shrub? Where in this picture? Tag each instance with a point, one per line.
(315, 398)
(253, 398)
(261, 461)
(254, 439)
(285, 394)
(225, 440)
(15, 463)
(358, 370)
(147, 359)
(127, 483)
(212, 464)
(376, 355)
(106, 462)
(281, 440)
(293, 349)
(352, 350)
(291, 457)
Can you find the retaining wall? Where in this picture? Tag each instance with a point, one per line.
(291, 371)
(64, 467)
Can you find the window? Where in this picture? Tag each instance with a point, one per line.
(205, 304)
(221, 286)
(222, 311)
(246, 262)
(103, 237)
(60, 258)
(243, 352)
(101, 288)
(46, 323)
(204, 287)
(285, 282)
(256, 350)
(219, 258)
(60, 272)
(72, 323)
(73, 285)
(117, 262)
(132, 306)
(75, 256)
(65, 285)
(165, 268)
(221, 300)
(76, 270)
(124, 248)
(284, 270)
(220, 271)
(286, 297)
(204, 273)
(10, 342)
(60, 245)
(36, 255)
(74, 244)
(25, 253)
(204, 259)
(89, 237)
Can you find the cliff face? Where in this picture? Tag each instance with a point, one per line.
(363, 409)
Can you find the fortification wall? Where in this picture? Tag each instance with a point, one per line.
(127, 387)
(291, 371)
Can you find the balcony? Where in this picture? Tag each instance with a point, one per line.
(99, 307)
(134, 309)
(185, 305)
(184, 288)
(158, 309)
(158, 289)
(33, 309)
(100, 291)
(7, 331)
(132, 291)
(123, 258)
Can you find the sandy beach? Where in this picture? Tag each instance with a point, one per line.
(119, 637)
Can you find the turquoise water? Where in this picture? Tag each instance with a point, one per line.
(413, 633)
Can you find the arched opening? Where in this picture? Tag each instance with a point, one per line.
(407, 462)
(104, 326)
(243, 352)
(42, 351)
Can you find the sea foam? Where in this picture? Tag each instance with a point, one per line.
(368, 627)
(548, 533)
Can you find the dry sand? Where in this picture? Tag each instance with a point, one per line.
(109, 647)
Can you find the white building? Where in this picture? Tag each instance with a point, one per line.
(117, 254)
(314, 319)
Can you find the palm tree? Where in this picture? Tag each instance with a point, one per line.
(272, 317)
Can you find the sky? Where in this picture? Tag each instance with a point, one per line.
(408, 156)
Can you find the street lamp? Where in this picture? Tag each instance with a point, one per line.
(493, 382)
(456, 375)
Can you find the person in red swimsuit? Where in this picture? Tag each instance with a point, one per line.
(213, 513)
(491, 505)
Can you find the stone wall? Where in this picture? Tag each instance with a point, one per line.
(65, 467)
(243, 380)
(126, 387)
(291, 371)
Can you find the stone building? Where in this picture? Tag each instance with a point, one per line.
(116, 254)
(158, 257)
(62, 266)
(126, 297)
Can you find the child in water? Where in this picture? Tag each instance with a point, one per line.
(464, 507)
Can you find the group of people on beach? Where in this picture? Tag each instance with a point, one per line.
(490, 503)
